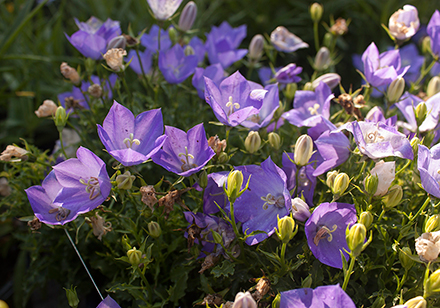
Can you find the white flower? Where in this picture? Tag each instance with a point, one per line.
(164, 9)
(428, 246)
(403, 24)
(385, 172)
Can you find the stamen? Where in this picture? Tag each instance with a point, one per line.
(271, 200)
(324, 232)
(129, 141)
(232, 105)
(186, 165)
(62, 213)
(314, 110)
(92, 187)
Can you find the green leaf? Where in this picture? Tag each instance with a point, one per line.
(135, 291)
(226, 269)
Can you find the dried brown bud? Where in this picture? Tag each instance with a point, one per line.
(340, 27)
(70, 73)
(209, 262)
(131, 41)
(217, 145)
(213, 299)
(114, 58)
(95, 90)
(261, 289)
(13, 151)
(47, 109)
(100, 227)
(34, 224)
(352, 106)
(171, 198)
(149, 196)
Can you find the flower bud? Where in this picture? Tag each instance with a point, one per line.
(432, 285)
(404, 258)
(256, 47)
(300, 209)
(331, 175)
(48, 108)
(95, 90)
(289, 91)
(172, 34)
(322, 59)
(355, 237)
(60, 118)
(366, 218)
(286, 226)
(276, 301)
(154, 229)
(222, 158)
(274, 140)
(203, 179)
(316, 11)
(395, 90)
(134, 256)
(426, 45)
(252, 142)
(340, 184)
(113, 57)
(432, 224)
(126, 242)
(371, 182)
(117, 42)
(328, 40)
(188, 16)
(393, 197)
(303, 150)
(433, 86)
(72, 297)
(125, 181)
(416, 302)
(307, 282)
(308, 86)
(234, 182)
(420, 113)
(244, 300)
(189, 51)
(330, 79)
(217, 237)
(70, 73)
(415, 141)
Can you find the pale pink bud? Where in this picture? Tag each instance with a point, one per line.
(188, 16)
(404, 23)
(48, 108)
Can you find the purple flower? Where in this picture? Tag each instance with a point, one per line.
(164, 9)
(433, 30)
(214, 194)
(382, 69)
(146, 57)
(76, 186)
(131, 140)
(92, 38)
(429, 166)
(222, 43)
(266, 198)
(214, 72)
(334, 148)
(409, 56)
(270, 98)
(175, 66)
(379, 140)
(184, 153)
(231, 101)
(289, 74)
(108, 302)
(151, 40)
(310, 106)
(283, 40)
(325, 231)
(321, 297)
(199, 48)
(376, 115)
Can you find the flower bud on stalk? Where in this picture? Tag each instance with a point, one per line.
(222, 158)
(72, 297)
(416, 302)
(371, 183)
(60, 118)
(307, 282)
(303, 150)
(322, 59)
(316, 11)
(340, 184)
(289, 91)
(393, 197)
(300, 209)
(331, 175)
(420, 112)
(355, 237)
(252, 142)
(366, 218)
(415, 141)
(405, 260)
(274, 140)
(125, 181)
(286, 227)
(244, 300)
(328, 40)
(217, 237)
(432, 285)
(395, 90)
(330, 79)
(234, 182)
(433, 86)
(188, 16)
(308, 87)
(172, 34)
(432, 224)
(203, 179)
(154, 229)
(134, 256)
(426, 45)
(256, 48)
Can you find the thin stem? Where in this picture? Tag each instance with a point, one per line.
(283, 258)
(147, 285)
(82, 261)
(62, 144)
(348, 273)
(315, 35)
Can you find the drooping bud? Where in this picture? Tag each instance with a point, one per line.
(393, 197)
(300, 209)
(355, 237)
(366, 218)
(95, 90)
(420, 113)
(371, 182)
(48, 108)
(70, 73)
(154, 229)
(316, 11)
(113, 57)
(331, 175)
(72, 297)
(286, 227)
(432, 224)
(125, 181)
(433, 86)
(395, 90)
(404, 258)
(330, 79)
(416, 302)
(432, 285)
(60, 118)
(303, 150)
(252, 142)
(117, 42)
(340, 184)
(256, 47)
(203, 179)
(134, 256)
(322, 59)
(274, 140)
(244, 300)
(188, 16)
(234, 182)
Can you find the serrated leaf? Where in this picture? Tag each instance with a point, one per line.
(226, 269)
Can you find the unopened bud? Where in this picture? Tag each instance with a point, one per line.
(126, 242)
(48, 108)
(290, 90)
(60, 118)
(113, 57)
(203, 179)
(308, 86)
(95, 90)
(371, 182)
(276, 301)
(330, 79)
(355, 237)
(234, 182)
(117, 42)
(134, 256)
(72, 297)
(432, 285)
(340, 184)
(426, 45)
(433, 86)
(328, 40)
(307, 282)
(188, 16)
(189, 51)
(300, 209)
(125, 181)
(286, 226)
(303, 150)
(217, 237)
(432, 224)
(420, 113)
(222, 158)
(366, 218)
(154, 229)
(331, 175)
(256, 47)
(70, 73)
(316, 11)
(244, 300)
(252, 142)
(172, 34)
(404, 258)
(393, 197)
(395, 90)
(416, 302)
(415, 141)
(322, 59)
(274, 140)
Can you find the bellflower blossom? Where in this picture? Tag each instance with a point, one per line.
(184, 153)
(310, 106)
(321, 297)
(93, 35)
(146, 58)
(214, 194)
(151, 40)
(409, 56)
(376, 115)
(325, 231)
(285, 41)
(164, 9)
(403, 24)
(433, 31)
(289, 74)
(108, 302)
(175, 66)
(130, 140)
(231, 101)
(379, 140)
(199, 48)
(334, 148)
(222, 43)
(267, 197)
(429, 166)
(382, 69)
(214, 72)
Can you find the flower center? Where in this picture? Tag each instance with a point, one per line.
(323, 233)
(314, 110)
(92, 187)
(186, 165)
(129, 141)
(272, 200)
(232, 105)
(62, 213)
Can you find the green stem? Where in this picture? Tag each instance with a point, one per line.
(62, 144)
(234, 227)
(421, 209)
(315, 35)
(283, 258)
(147, 285)
(348, 273)
(381, 215)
